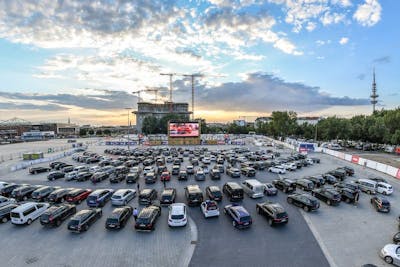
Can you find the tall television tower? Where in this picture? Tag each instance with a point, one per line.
(374, 95)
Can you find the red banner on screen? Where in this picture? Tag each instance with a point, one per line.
(355, 159)
(398, 174)
(184, 129)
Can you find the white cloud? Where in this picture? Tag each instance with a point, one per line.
(320, 42)
(311, 26)
(369, 13)
(343, 3)
(334, 18)
(343, 40)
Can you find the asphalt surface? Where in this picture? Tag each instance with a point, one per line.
(218, 242)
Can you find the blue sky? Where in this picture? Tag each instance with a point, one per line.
(83, 59)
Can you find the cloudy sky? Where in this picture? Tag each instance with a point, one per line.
(83, 59)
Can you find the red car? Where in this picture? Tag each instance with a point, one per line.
(76, 196)
(165, 176)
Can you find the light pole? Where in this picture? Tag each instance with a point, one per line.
(128, 124)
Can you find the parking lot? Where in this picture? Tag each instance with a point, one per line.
(349, 235)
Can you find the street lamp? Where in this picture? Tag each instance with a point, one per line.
(128, 124)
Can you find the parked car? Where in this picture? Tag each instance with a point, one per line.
(99, 197)
(132, 177)
(150, 178)
(328, 195)
(381, 204)
(76, 196)
(122, 197)
(193, 195)
(71, 176)
(285, 184)
(277, 169)
(82, 220)
(214, 193)
(200, 175)
(384, 188)
(168, 196)
(209, 208)
(99, 176)
(4, 201)
(146, 196)
(304, 184)
(389, 254)
(36, 170)
(177, 215)
(304, 201)
(83, 176)
(5, 212)
(176, 169)
(349, 170)
(270, 189)
(182, 175)
(274, 212)
(233, 172)
(42, 193)
(28, 212)
(340, 174)
(59, 195)
(233, 190)
(348, 195)
(23, 193)
(248, 171)
(55, 175)
(240, 216)
(215, 174)
(147, 218)
(117, 177)
(329, 179)
(318, 180)
(165, 176)
(55, 215)
(119, 217)
(352, 185)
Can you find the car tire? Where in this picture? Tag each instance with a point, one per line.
(347, 200)
(258, 210)
(62, 200)
(328, 202)
(290, 201)
(79, 202)
(384, 193)
(306, 208)
(58, 223)
(234, 223)
(285, 190)
(270, 222)
(369, 192)
(29, 222)
(35, 172)
(85, 228)
(4, 220)
(388, 259)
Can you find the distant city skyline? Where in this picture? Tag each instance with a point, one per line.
(83, 59)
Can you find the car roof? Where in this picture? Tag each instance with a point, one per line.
(121, 191)
(234, 185)
(146, 191)
(82, 213)
(117, 212)
(168, 191)
(214, 188)
(240, 210)
(24, 206)
(99, 191)
(177, 208)
(275, 206)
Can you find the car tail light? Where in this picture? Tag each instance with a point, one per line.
(51, 218)
(150, 226)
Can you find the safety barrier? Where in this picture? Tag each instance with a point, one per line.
(355, 159)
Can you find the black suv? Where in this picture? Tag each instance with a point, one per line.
(23, 193)
(5, 212)
(58, 195)
(338, 173)
(248, 171)
(233, 190)
(215, 174)
(119, 217)
(42, 193)
(168, 196)
(274, 212)
(35, 170)
(182, 175)
(55, 215)
(193, 194)
(84, 219)
(55, 175)
(146, 196)
(305, 201)
(348, 195)
(7, 190)
(304, 184)
(349, 170)
(286, 185)
(329, 195)
(97, 177)
(381, 204)
(214, 193)
(147, 218)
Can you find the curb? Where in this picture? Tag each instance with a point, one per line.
(187, 255)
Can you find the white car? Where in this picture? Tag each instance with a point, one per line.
(289, 166)
(209, 208)
(122, 196)
(277, 169)
(3, 184)
(148, 169)
(5, 201)
(310, 161)
(213, 158)
(384, 188)
(94, 169)
(71, 176)
(136, 169)
(75, 156)
(206, 160)
(28, 212)
(177, 215)
(391, 254)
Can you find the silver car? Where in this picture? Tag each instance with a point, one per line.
(122, 196)
(71, 176)
(4, 201)
(391, 254)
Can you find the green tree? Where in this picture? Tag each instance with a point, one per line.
(99, 132)
(107, 132)
(283, 123)
(91, 132)
(150, 125)
(163, 122)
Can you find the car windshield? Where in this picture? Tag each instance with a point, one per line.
(281, 215)
(142, 220)
(117, 197)
(112, 221)
(212, 207)
(245, 219)
(177, 217)
(73, 222)
(44, 217)
(194, 196)
(92, 198)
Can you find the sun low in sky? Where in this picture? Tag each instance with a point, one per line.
(83, 59)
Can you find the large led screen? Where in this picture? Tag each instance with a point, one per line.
(183, 129)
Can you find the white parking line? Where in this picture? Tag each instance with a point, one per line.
(187, 255)
(319, 239)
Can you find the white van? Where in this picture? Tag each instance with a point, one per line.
(253, 188)
(367, 186)
(384, 188)
(28, 212)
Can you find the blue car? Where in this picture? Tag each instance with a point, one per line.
(240, 216)
(99, 197)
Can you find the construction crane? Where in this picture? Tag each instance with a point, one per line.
(170, 84)
(192, 77)
(138, 94)
(155, 90)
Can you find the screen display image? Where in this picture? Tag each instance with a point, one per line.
(184, 129)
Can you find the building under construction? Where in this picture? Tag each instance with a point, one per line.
(146, 109)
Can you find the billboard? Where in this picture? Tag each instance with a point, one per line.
(184, 129)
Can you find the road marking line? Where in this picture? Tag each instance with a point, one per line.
(319, 239)
(187, 256)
